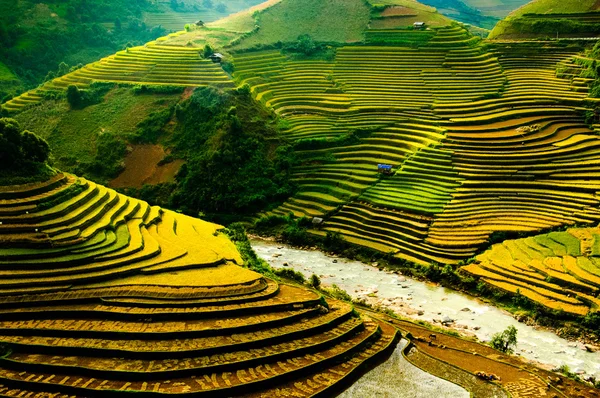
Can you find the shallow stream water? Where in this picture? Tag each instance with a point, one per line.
(431, 303)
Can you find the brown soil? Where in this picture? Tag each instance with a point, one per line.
(141, 167)
(518, 377)
(187, 93)
(398, 11)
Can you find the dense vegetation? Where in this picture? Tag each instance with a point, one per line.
(36, 37)
(236, 162)
(22, 153)
(43, 40)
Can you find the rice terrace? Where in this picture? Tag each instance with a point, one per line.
(300, 198)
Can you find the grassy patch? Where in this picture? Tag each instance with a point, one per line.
(325, 20)
(554, 7)
(75, 135)
(6, 74)
(10, 85)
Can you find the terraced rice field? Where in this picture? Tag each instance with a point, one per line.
(103, 295)
(155, 63)
(483, 139)
(559, 270)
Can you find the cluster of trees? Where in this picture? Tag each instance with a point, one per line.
(236, 163)
(236, 160)
(591, 70)
(20, 148)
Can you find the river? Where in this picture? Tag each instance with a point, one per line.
(428, 302)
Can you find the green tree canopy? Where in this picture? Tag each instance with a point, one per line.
(18, 147)
(235, 162)
(505, 341)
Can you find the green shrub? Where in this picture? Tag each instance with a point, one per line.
(19, 148)
(334, 241)
(207, 51)
(296, 235)
(107, 163)
(270, 221)
(94, 94)
(237, 233)
(149, 129)
(505, 341)
(140, 89)
(339, 293)
(314, 281)
(304, 44)
(74, 97)
(291, 274)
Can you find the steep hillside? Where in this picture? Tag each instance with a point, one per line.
(475, 137)
(556, 7)
(177, 59)
(103, 295)
(551, 18)
(35, 37)
(10, 84)
(483, 139)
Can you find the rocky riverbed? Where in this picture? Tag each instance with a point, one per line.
(431, 303)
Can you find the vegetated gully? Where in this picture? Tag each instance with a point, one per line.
(425, 301)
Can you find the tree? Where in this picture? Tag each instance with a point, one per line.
(118, 25)
(306, 45)
(63, 69)
(9, 142)
(208, 51)
(505, 341)
(34, 148)
(74, 96)
(4, 37)
(314, 281)
(18, 148)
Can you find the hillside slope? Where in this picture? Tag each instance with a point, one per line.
(551, 18)
(559, 271)
(556, 7)
(483, 139)
(476, 136)
(35, 37)
(103, 295)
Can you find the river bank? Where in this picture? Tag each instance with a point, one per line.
(431, 303)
